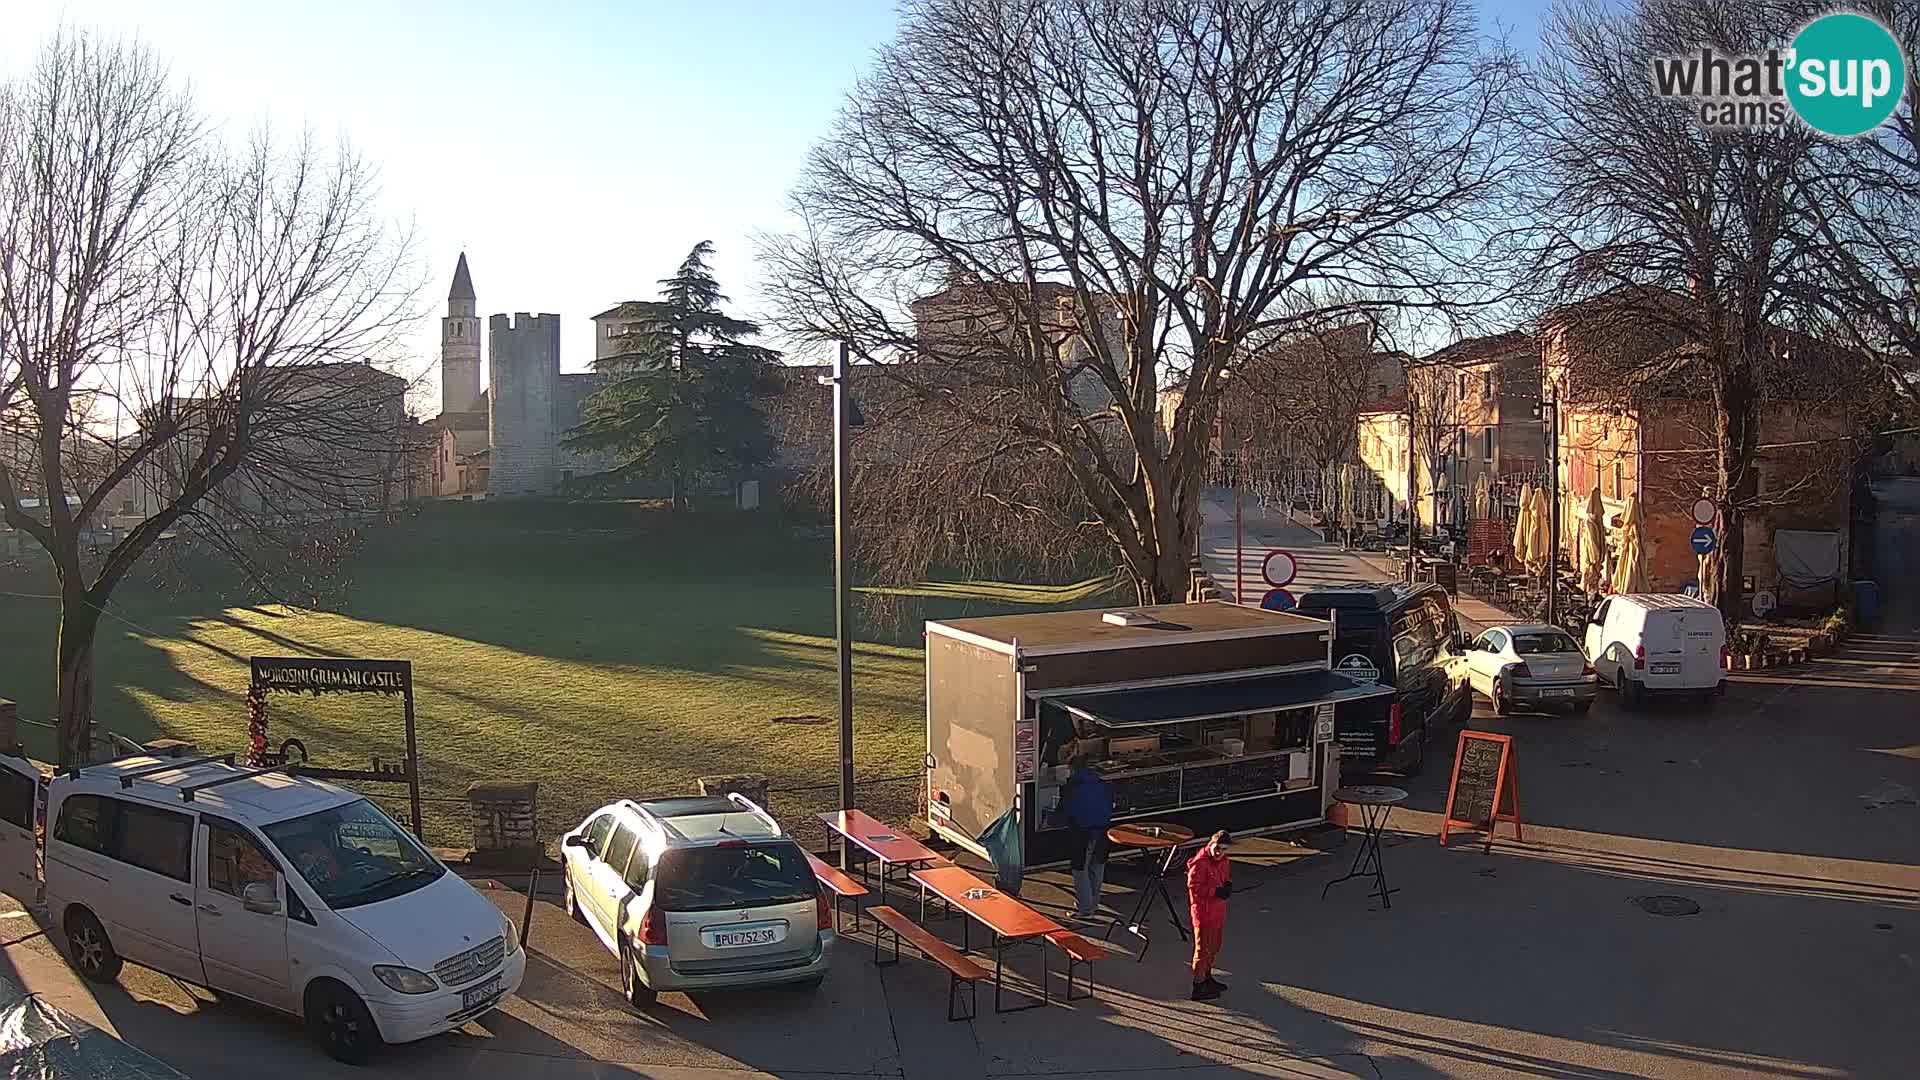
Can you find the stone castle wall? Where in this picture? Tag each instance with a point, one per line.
(524, 373)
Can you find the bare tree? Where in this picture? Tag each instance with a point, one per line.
(1065, 205)
(1864, 206)
(1685, 247)
(183, 334)
(1297, 398)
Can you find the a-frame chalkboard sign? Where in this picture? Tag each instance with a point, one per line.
(1485, 788)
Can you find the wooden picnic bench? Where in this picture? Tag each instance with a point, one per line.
(1010, 922)
(844, 888)
(1080, 953)
(960, 969)
(893, 848)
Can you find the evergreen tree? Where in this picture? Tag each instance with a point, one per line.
(683, 396)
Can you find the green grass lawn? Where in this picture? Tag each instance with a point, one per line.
(603, 658)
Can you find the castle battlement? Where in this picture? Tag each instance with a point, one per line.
(529, 405)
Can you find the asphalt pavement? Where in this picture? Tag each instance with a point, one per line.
(1787, 816)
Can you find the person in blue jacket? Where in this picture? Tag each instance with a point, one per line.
(1089, 805)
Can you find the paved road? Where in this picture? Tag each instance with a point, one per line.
(1319, 563)
(1788, 814)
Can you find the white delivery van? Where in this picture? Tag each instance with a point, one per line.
(1653, 643)
(284, 890)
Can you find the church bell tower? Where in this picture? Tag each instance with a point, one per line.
(460, 345)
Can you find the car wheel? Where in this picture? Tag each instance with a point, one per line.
(340, 1021)
(1499, 699)
(1630, 693)
(1419, 759)
(639, 994)
(93, 954)
(572, 902)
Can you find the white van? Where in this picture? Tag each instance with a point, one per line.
(287, 891)
(1650, 643)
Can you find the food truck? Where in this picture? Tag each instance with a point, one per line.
(1210, 715)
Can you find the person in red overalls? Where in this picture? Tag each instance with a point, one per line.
(1209, 883)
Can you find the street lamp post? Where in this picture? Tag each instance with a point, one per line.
(1550, 415)
(842, 594)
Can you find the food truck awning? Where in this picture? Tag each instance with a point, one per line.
(1207, 700)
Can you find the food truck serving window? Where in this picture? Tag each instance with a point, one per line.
(1152, 706)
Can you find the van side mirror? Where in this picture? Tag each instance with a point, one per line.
(260, 898)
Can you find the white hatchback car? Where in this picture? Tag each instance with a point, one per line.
(283, 890)
(697, 893)
(1530, 665)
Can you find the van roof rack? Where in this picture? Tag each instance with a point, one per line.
(127, 778)
(187, 793)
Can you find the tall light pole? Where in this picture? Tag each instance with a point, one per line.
(842, 594)
(1413, 490)
(1550, 415)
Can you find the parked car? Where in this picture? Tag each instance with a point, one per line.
(286, 891)
(1530, 665)
(1405, 637)
(697, 893)
(1658, 643)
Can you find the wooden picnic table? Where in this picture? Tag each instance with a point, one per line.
(1011, 922)
(891, 846)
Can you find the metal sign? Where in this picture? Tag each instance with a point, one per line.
(1323, 722)
(1764, 602)
(1278, 568)
(1277, 600)
(1358, 667)
(1703, 511)
(1703, 541)
(333, 675)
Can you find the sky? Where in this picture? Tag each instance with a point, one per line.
(574, 149)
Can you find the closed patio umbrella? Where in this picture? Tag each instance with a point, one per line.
(1630, 575)
(1522, 527)
(1540, 543)
(1593, 544)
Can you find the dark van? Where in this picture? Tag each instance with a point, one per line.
(1404, 637)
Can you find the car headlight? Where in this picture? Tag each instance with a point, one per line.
(513, 935)
(405, 979)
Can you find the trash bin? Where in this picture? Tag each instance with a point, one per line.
(1866, 601)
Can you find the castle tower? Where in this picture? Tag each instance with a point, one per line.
(460, 345)
(524, 375)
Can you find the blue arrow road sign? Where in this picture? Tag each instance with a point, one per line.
(1703, 541)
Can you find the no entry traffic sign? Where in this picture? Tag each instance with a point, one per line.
(1703, 511)
(1278, 568)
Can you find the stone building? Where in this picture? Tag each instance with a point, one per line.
(506, 439)
(1635, 419)
(968, 322)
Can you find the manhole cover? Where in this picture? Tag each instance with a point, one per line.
(1667, 905)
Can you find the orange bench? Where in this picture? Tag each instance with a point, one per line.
(960, 969)
(842, 886)
(1080, 953)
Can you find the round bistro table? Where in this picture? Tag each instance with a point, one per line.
(1148, 837)
(1375, 801)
